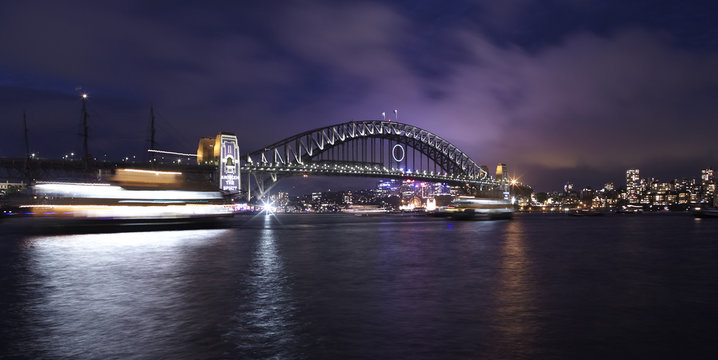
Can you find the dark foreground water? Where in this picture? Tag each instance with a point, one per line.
(335, 287)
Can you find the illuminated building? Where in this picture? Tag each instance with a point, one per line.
(708, 185)
(568, 187)
(8, 185)
(205, 151)
(223, 150)
(485, 168)
(633, 186)
(502, 173)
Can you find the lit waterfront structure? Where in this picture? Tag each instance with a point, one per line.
(708, 185)
(502, 173)
(222, 150)
(647, 194)
(633, 186)
(205, 151)
(485, 168)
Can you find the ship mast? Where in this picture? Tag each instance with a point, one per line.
(152, 132)
(85, 150)
(27, 174)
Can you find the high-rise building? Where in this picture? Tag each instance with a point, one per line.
(568, 187)
(502, 173)
(633, 186)
(708, 185)
(485, 168)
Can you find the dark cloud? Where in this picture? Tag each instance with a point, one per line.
(554, 91)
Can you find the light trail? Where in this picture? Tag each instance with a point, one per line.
(170, 152)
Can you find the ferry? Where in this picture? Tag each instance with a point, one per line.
(131, 195)
(365, 210)
(705, 212)
(479, 209)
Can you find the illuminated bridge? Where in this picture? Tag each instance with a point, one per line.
(371, 148)
(378, 149)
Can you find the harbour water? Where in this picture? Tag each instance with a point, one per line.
(337, 286)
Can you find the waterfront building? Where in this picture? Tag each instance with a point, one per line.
(708, 185)
(502, 173)
(206, 152)
(633, 189)
(485, 168)
(568, 188)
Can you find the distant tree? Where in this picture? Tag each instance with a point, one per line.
(541, 197)
(523, 191)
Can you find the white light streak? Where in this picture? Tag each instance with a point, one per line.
(170, 152)
(106, 191)
(152, 172)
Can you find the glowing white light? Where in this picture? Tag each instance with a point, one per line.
(129, 212)
(152, 172)
(107, 191)
(268, 207)
(170, 152)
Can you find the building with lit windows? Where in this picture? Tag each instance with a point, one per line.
(633, 186)
(502, 173)
(708, 185)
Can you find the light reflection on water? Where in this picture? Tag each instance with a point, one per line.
(388, 287)
(515, 315)
(265, 324)
(89, 293)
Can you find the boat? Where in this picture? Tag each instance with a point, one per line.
(585, 212)
(706, 212)
(479, 209)
(131, 196)
(365, 210)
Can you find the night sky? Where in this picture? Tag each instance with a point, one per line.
(559, 90)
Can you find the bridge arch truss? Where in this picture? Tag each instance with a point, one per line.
(370, 148)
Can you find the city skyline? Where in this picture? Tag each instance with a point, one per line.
(573, 92)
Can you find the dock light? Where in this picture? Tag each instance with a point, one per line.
(268, 207)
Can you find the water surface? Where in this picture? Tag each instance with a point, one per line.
(308, 287)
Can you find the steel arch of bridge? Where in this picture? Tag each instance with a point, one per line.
(350, 149)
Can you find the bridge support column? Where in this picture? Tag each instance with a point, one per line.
(228, 162)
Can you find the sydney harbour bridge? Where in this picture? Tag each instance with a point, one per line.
(371, 148)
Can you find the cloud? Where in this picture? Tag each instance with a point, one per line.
(585, 102)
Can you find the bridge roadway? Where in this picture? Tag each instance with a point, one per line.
(357, 169)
